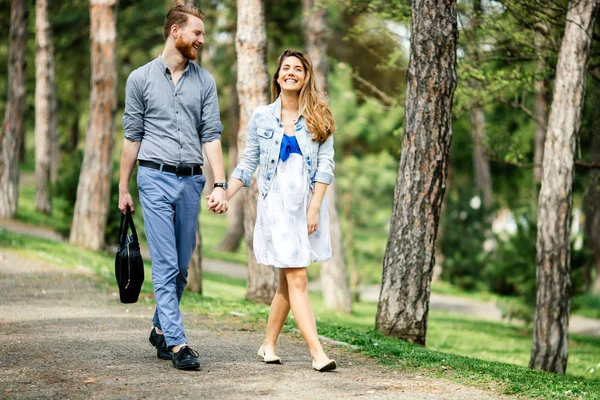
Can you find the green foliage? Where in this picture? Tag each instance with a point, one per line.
(66, 188)
(464, 228)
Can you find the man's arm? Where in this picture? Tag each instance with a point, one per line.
(128, 158)
(214, 154)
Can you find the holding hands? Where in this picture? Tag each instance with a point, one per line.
(218, 201)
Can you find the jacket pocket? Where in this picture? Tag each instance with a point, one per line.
(264, 133)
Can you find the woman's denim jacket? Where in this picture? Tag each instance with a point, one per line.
(265, 131)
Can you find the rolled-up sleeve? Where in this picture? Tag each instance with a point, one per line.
(325, 162)
(210, 127)
(247, 165)
(133, 116)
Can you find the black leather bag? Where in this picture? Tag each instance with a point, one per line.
(129, 266)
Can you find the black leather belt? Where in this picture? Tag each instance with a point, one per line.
(179, 170)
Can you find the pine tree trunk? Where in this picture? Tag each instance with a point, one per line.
(195, 272)
(541, 100)
(235, 216)
(334, 279)
(550, 336)
(592, 215)
(45, 121)
(93, 191)
(252, 86)
(12, 128)
(410, 254)
(481, 163)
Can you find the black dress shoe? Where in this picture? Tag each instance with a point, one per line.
(162, 351)
(186, 358)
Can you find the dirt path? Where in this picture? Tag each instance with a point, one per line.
(63, 336)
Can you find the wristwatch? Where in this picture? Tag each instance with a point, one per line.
(223, 185)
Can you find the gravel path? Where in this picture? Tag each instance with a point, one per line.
(63, 336)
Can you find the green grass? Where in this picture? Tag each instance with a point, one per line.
(467, 350)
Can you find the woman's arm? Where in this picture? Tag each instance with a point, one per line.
(312, 214)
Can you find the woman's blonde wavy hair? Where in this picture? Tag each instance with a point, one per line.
(312, 102)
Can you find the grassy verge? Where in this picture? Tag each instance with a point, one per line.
(490, 355)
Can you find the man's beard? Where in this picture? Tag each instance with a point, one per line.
(186, 49)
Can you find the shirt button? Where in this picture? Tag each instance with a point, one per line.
(281, 125)
(277, 142)
(176, 112)
(272, 161)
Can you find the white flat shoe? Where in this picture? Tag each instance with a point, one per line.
(329, 365)
(268, 359)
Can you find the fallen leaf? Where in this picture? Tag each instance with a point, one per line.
(87, 382)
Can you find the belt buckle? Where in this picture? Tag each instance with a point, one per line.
(178, 170)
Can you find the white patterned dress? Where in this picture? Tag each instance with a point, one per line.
(281, 233)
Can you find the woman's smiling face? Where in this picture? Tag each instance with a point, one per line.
(291, 74)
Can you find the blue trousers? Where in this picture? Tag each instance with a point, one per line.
(170, 205)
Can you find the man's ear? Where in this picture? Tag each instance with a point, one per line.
(175, 31)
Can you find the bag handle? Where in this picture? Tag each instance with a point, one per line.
(126, 222)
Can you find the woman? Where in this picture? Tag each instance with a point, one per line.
(291, 141)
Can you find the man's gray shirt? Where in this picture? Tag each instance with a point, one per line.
(171, 121)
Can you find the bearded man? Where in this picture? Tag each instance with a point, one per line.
(171, 112)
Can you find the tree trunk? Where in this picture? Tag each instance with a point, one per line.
(334, 279)
(352, 267)
(45, 111)
(12, 128)
(549, 351)
(481, 163)
(541, 101)
(592, 216)
(74, 130)
(410, 254)
(252, 87)
(195, 272)
(235, 215)
(93, 191)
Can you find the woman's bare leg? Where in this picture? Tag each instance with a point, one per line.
(280, 308)
(297, 282)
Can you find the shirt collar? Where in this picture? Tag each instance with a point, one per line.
(165, 69)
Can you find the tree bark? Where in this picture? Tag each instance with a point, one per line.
(93, 191)
(410, 254)
(592, 216)
(550, 336)
(481, 162)
(252, 87)
(334, 279)
(195, 272)
(541, 100)
(45, 109)
(235, 216)
(12, 128)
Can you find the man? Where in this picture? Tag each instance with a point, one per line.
(171, 111)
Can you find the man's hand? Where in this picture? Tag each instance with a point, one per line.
(312, 220)
(217, 201)
(125, 201)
